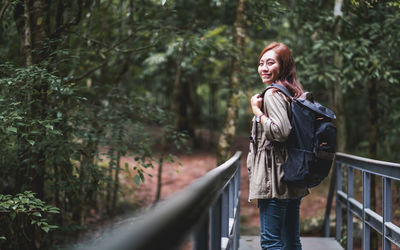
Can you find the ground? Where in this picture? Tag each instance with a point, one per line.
(176, 177)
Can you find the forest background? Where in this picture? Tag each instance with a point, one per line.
(87, 82)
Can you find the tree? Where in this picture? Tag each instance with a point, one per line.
(61, 105)
(229, 129)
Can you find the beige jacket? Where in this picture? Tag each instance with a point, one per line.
(265, 169)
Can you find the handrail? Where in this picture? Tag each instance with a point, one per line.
(212, 200)
(362, 209)
(381, 168)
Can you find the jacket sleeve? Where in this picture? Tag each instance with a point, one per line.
(277, 125)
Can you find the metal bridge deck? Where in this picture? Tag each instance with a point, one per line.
(308, 243)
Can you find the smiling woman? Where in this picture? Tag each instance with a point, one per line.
(278, 202)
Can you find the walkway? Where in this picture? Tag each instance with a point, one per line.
(209, 209)
(308, 243)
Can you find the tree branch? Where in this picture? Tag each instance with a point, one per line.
(90, 71)
(3, 9)
(84, 75)
(109, 47)
(135, 50)
(119, 43)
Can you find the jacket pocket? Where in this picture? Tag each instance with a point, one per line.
(250, 160)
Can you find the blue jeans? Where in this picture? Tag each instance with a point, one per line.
(280, 223)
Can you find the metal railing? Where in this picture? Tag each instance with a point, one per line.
(208, 210)
(362, 209)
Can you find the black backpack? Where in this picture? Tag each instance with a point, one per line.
(311, 143)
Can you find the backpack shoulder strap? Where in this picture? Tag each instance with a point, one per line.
(277, 86)
(282, 89)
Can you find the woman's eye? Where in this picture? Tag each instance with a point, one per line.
(270, 63)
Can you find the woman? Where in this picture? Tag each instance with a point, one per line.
(279, 204)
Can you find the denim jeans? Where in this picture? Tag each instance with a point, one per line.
(280, 223)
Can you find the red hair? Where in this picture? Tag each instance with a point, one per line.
(287, 70)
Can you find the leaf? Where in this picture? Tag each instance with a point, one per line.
(54, 210)
(156, 59)
(163, 2)
(141, 176)
(49, 126)
(137, 179)
(214, 32)
(12, 129)
(3, 238)
(46, 229)
(37, 214)
(31, 142)
(39, 21)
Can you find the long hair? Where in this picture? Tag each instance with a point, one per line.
(287, 70)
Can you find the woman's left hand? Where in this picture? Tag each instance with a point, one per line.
(256, 104)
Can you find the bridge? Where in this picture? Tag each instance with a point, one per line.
(205, 215)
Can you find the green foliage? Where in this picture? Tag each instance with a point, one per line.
(366, 48)
(30, 118)
(26, 203)
(23, 214)
(59, 126)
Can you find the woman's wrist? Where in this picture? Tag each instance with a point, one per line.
(259, 117)
(258, 112)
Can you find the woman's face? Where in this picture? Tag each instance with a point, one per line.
(268, 67)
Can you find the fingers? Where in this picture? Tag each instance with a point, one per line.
(256, 98)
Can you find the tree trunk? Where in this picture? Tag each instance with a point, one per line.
(373, 118)
(27, 37)
(212, 113)
(373, 139)
(180, 95)
(79, 214)
(229, 130)
(338, 96)
(116, 184)
(340, 117)
(160, 166)
(192, 110)
(30, 17)
(109, 183)
(179, 110)
(56, 186)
